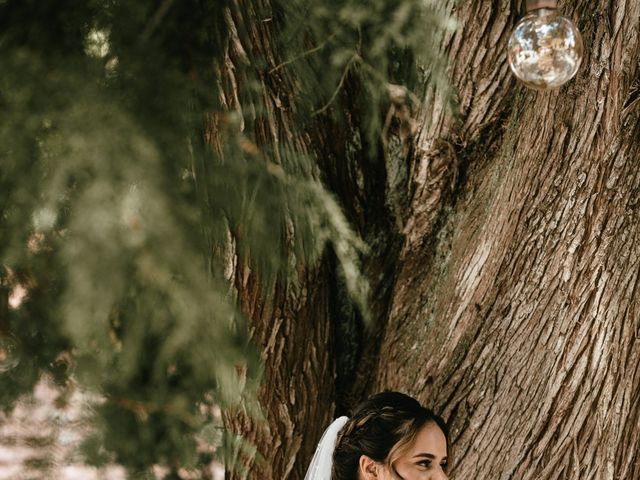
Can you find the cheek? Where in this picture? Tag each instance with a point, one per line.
(413, 472)
(404, 474)
(410, 472)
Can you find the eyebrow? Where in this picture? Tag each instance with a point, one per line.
(429, 456)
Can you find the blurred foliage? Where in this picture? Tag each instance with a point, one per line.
(381, 42)
(115, 214)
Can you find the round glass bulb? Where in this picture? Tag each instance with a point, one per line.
(545, 49)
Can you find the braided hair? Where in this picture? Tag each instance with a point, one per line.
(381, 428)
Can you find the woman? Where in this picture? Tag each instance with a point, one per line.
(389, 437)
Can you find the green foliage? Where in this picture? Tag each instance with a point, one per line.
(99, 213)
(380, 42)
(115, 214)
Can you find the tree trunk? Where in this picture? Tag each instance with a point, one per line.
(505, 267)
(520, 322)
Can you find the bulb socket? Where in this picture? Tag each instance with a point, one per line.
(537, 4)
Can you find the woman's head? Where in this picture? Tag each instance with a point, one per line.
(391, 436)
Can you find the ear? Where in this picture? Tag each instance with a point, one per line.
(368, 468)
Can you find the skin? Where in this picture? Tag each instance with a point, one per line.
(425, 459)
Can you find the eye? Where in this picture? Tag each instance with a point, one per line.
(444, 466)
(425, 463)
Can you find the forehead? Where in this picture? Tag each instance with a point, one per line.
(430, 439)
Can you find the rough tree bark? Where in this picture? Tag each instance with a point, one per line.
(526, 309)
(505, 269)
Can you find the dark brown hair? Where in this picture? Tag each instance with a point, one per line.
(380, 428)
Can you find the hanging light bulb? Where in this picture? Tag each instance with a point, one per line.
(545, 49)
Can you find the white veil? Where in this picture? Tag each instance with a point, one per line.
(320, 468)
